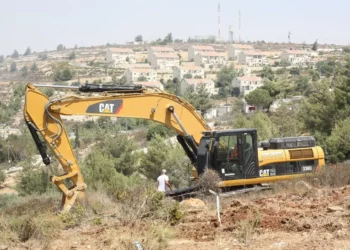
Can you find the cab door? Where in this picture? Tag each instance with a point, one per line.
(227, 159)
(249, 154)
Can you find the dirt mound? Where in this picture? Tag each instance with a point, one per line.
(193, 204)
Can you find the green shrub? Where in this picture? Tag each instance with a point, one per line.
(2, 177)
(33, 182)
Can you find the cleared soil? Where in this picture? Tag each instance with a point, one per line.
(314, 218)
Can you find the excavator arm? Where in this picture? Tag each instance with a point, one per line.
(43, 116)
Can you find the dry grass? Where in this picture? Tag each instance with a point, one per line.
(29, 218)
(209, 180)
(247, 227)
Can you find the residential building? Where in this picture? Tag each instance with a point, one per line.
(208, 84)
(244, 69)
(252, 58)
(159, 50)
(193, 50)
(194, 71)
(224, 109)
(291, 103)
(208, 114)
(165, 75)
(165, 60)
(235, 49)
(134, 74)
(155, 84)
(247, 108)
(246, 84)
(296, 57)
(120, 55)
(209, 60)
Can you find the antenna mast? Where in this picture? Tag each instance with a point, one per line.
(239, 26)
(219, 20)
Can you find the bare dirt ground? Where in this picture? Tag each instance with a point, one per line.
(312, 218)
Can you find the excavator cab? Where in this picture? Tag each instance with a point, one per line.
(232, 153)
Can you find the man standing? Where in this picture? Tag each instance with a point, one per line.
(163, 181)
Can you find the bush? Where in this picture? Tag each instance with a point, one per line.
(63, 74)
(33, 182)
(159, 129)
(2, 177)
(332, 176)
(209, 180)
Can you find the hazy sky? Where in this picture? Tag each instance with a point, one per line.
(43, 24)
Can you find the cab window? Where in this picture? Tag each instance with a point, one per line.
(227, 148)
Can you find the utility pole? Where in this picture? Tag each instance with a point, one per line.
(289, 36)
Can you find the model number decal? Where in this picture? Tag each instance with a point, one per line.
(307, 168)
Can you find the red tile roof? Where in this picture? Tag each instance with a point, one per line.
(249, 78)
(141, 70)
(168, 49)
(199, 81)
(166, 55)
(242, 46)
(119, 50)
(203, 47)
(254, 53)
(220, 54)
(190, 67)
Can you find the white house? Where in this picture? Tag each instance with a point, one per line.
(235, 49)
(247, 108)
(195, 71)
(120, 55)
(193, 50)
(208, 84)
(155, 84)
(209, 114)
(252, 58)
(133, 74)
(224, 109)
(165, 61)
(246, 84)
(210, 59)
(296, 57)
(159, 50)
(244, 69)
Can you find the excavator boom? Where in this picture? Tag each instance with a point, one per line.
(43, 116)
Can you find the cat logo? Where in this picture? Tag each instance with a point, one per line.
(264, 172)
(106, 108)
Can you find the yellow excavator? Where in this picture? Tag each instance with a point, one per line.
(234, 154)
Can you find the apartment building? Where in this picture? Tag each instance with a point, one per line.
(242, 69)
(195, 71)
(193, 50)
(120, 55)
(209, 60)
(235, 49)
(208, 84)
(158, 50)
(252, 58)
(296, 57)
(134, 74)
(165, 60)
(246, 84)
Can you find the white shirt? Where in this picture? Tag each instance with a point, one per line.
(162, 182)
